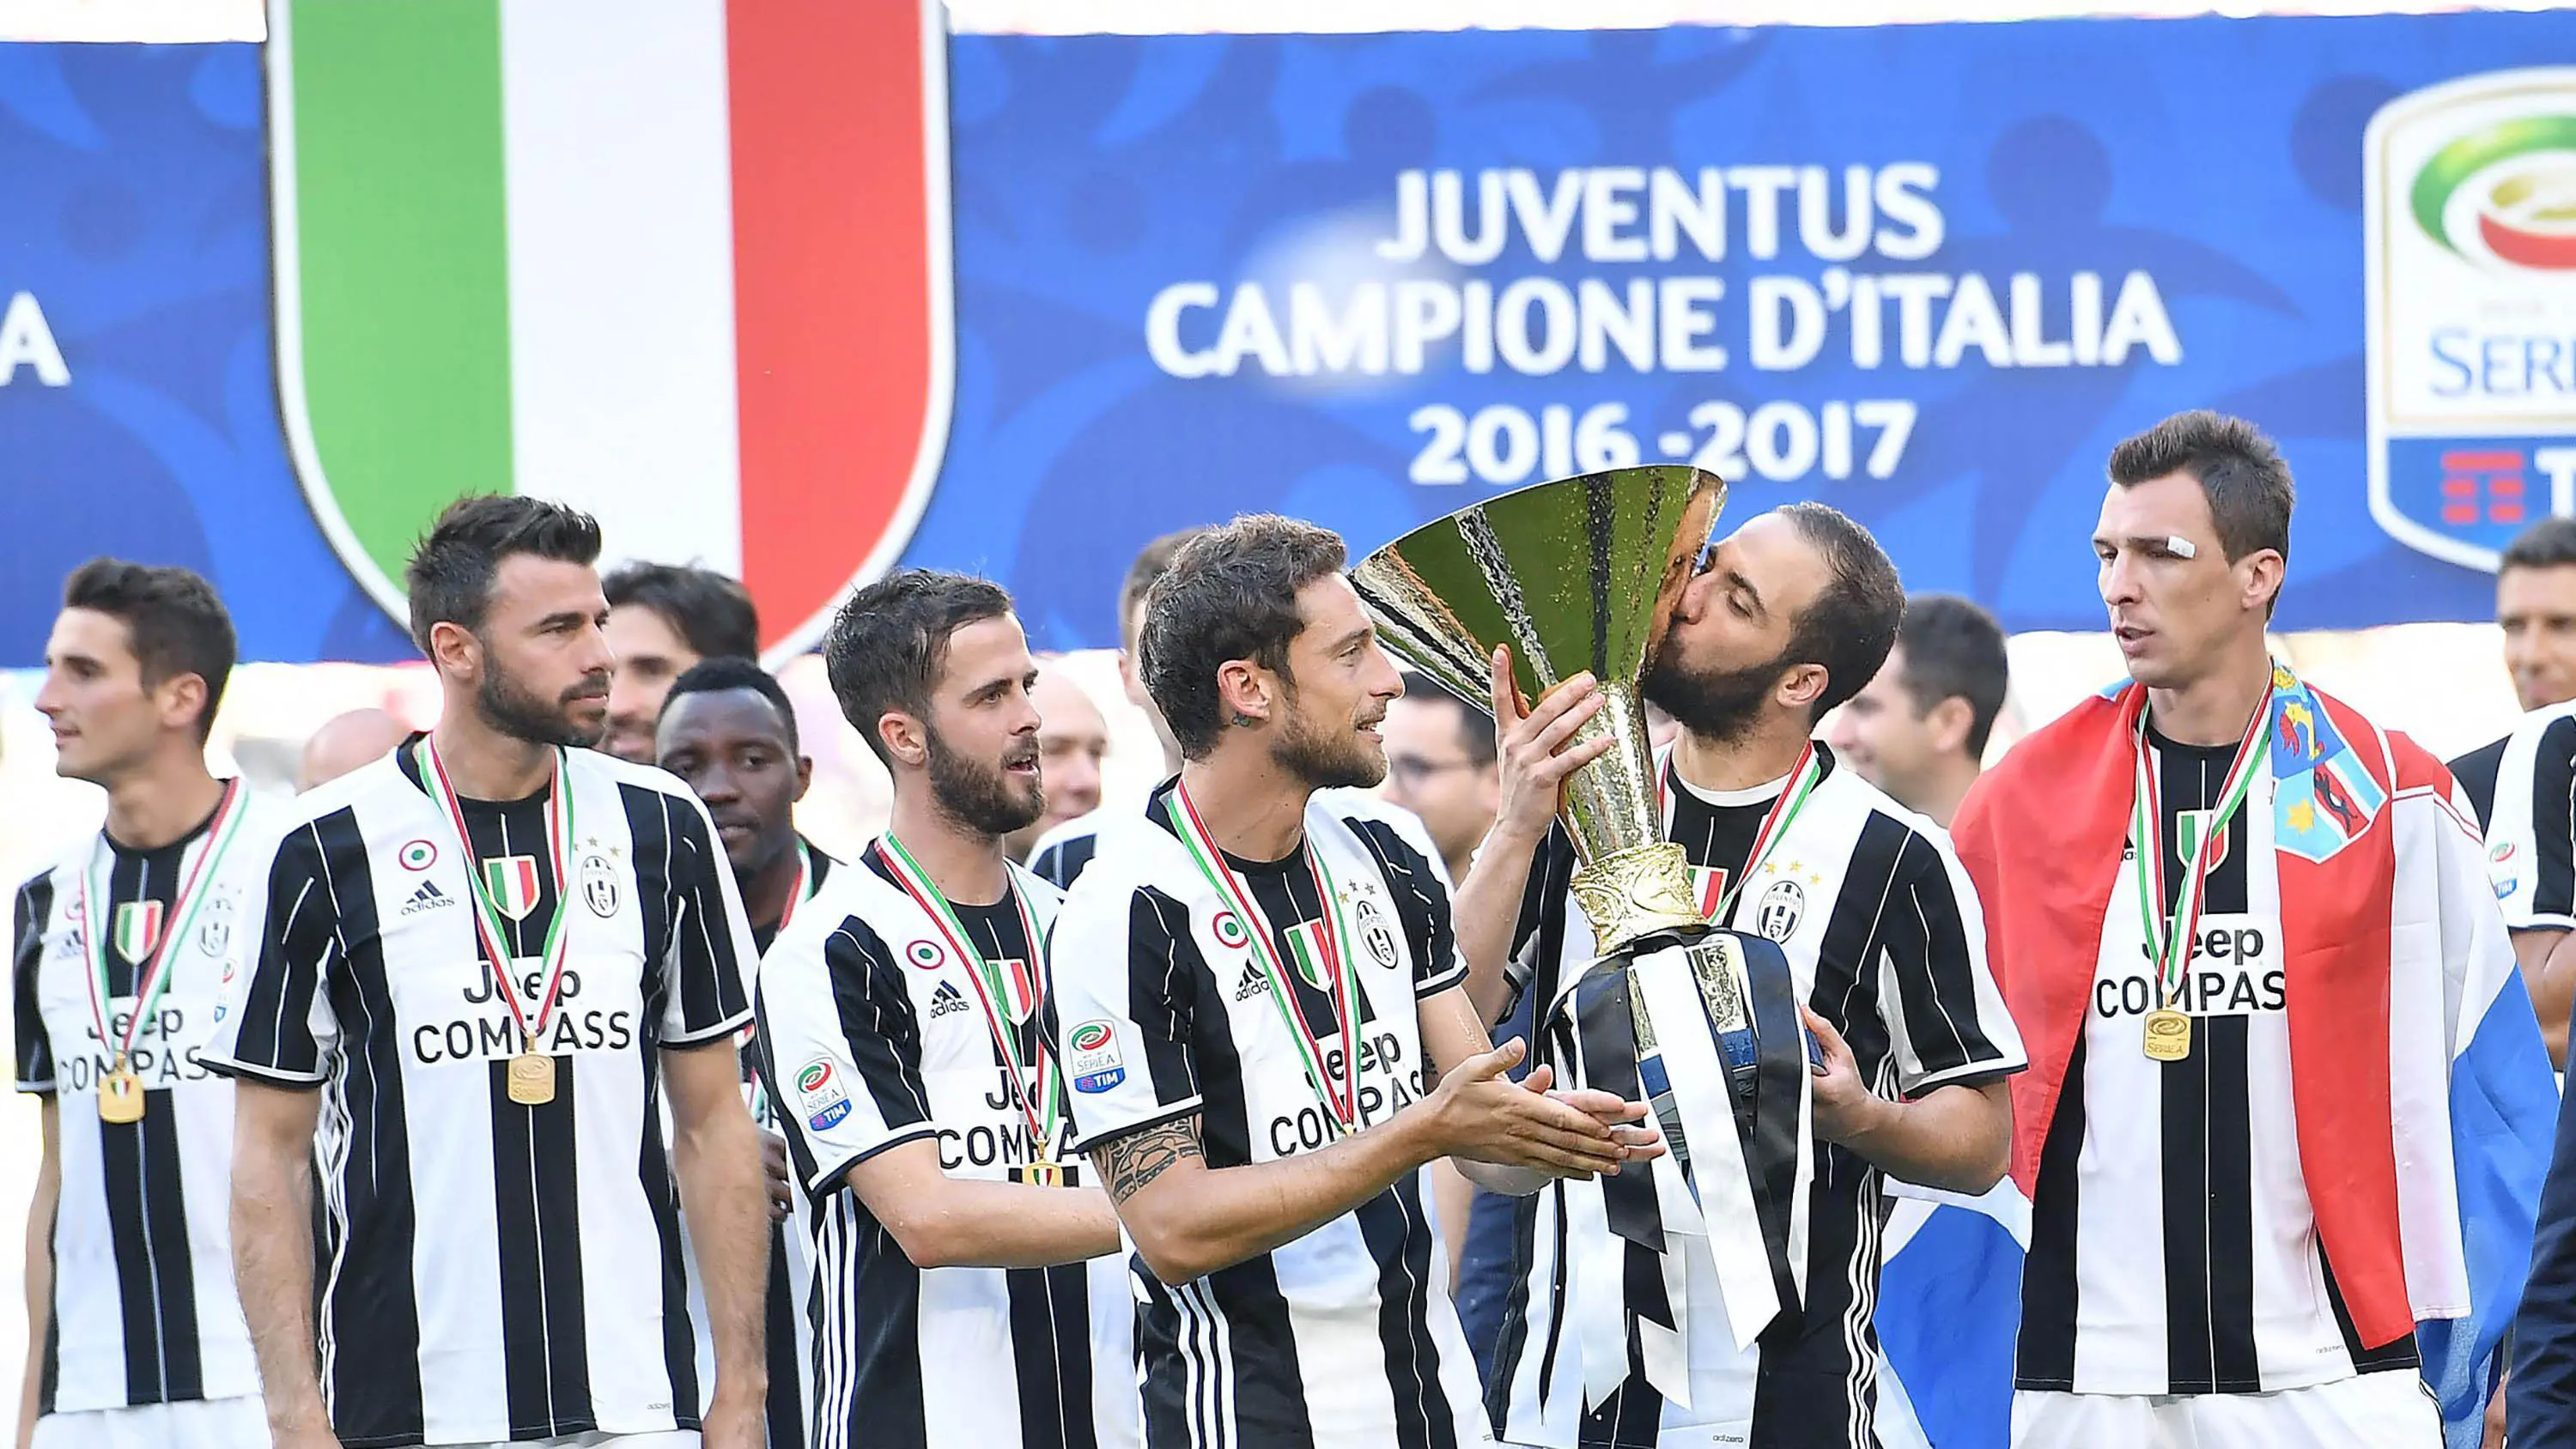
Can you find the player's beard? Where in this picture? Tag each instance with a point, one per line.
(1327, 759)
(512, 709)
(982, 797)
(1717, 705)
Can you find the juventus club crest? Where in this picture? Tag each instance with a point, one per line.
(138, 930)
(1374, 933)
(599, 886)
(1781, 908)
(682, 264)
(512, 881)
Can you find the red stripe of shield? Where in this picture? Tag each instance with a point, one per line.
(842, 305)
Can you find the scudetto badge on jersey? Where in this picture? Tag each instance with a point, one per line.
(468, 311)
(2470, 220)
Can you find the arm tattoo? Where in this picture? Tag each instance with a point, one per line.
(1129, 1163)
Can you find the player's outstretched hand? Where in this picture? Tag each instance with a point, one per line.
(1481, 1114)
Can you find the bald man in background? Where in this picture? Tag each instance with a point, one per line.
(1073, 738)
(346, 741)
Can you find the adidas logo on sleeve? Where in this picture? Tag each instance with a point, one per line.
(947, 999)
(427, 898)
(1250, 984)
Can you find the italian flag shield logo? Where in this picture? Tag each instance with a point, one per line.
(138, 929)
(683, 264)
(512, 882)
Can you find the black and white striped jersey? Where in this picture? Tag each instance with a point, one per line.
(1886, 941)
(143, 1307)
(1161, 1011)
(490, 1270)
(875, 1035)
(1060, 854)
(2531, 832)
(2173, 1247)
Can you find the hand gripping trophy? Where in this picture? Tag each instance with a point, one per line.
(1583, 574)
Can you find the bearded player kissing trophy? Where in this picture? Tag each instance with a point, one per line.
(1583, 574)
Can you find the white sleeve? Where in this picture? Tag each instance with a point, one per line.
(2531, 836)
(841, 1046)
(1128, 981)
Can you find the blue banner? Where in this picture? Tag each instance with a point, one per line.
(1929, 274)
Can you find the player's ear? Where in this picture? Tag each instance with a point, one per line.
(180, 699)
(1246, 693)
(454, 649)
(2260, 574)
(1949, 721)
(904, 738)
(804, 776)
(1801, 685)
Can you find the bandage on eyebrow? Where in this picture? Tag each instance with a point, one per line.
(2181, 546)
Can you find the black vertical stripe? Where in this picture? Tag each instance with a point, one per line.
(2235, 1364)
(1171, 1417)
(536, 1207)
(120, 1152)
(370, 1311)
(1924, 927)
(2189, 1355)
(1164, 1004)
(35, 916)
(1069, 1300)
(884, 1407)
(1398, 1234)
(786, 1405)
(2553, 819)
(174, 1277)
(309, 915)
(1037, 1360)
(1808, 1374)
(2044, 1354)
(679, 1333)
(879, 1024)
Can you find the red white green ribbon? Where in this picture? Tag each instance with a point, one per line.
(1803, 779)
(804, 884)
(1041, 1092)
(487, 915)
(2169, 936)
(152, 979)
(1340, 1099)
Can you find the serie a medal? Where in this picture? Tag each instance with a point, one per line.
(532, 1077)
(2168, 1035)
(528, 1078)
(121, 1097)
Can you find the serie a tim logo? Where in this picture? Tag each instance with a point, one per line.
(2470, 217)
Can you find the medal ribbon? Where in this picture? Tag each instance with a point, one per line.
(1803, 779)
(152, 981)
(1341, 1100)
(1041, 1093)
(487, 916)
(804, 884)
(2169, 936)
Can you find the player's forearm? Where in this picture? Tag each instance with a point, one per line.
(1231, 1214)
(39, 1277)
(1955, 1139)
(1487, 911)
(965, 1223)
(272, 1226)
(2549, 974)
(716, 1158)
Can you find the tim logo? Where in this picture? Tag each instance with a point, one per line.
(2470, 219)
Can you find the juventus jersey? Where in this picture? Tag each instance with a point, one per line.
(143, 1308)
(2531, 831)
(876, 1035)
(490, 1270)
(1161, 1011)
(2173, 1246)
(1885, 940)
(1061, 853)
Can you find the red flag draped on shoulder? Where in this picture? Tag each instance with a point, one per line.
(2042, 834)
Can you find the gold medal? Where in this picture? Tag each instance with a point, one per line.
(120, 1095)
(2168, 1035)
(1044, 1172)
(532, 1079)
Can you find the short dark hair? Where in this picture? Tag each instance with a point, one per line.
(1849, 627)
(889, 643)
(1955, 650)
(175, 622)
(2548, 544)
(722, 673)
(2239, 471)
(1475, 727)
(1231, 593)
(712, 611)
(1152, 562)
(450, 574)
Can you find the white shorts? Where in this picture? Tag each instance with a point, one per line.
(2387, 1410)
(237, 1423)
